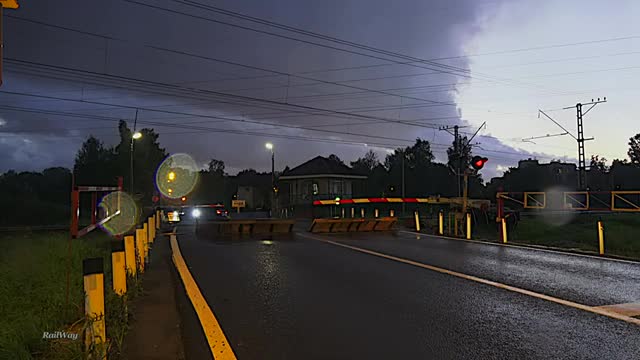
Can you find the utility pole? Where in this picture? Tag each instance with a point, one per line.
(458, 148)
(403, 206)
(582, 162)
(456, 151)
(8, 4)
(135, 122)
(580, 139)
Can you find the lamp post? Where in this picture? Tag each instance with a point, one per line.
(136, 135)
(403, 204)
(269, 146)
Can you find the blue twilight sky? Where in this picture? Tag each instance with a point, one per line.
(497, 62)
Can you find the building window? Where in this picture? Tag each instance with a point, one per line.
(336, 187)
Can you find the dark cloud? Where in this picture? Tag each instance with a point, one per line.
(423, 29)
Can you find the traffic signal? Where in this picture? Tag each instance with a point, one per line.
(477, 162)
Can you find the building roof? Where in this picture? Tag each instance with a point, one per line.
(321, 166)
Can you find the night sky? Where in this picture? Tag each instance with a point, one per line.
(214, 90)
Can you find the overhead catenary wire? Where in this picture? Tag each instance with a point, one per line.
(448, 69)
(103, 104)
(247, 100)
(200, 129)
(86, 33)
(209, 58)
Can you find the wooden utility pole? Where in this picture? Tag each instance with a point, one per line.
(9, 4)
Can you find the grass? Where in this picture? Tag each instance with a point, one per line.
(575, 231)
(33, 283)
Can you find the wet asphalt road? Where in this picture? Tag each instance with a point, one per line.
(305, 299)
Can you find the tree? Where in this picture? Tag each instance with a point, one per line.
(366, 164)
(147, 157)
(94, 164)
(634, 149)
(216, 167)
(462, 157)
(598, 163)
(419, 155)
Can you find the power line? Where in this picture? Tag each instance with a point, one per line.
(199, 129)
(184, 53)
(542, 47)
(320, 113)
(182, 113)
(250, 100)
(449, 69)
(108, 104)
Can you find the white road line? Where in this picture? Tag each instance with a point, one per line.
(524, 248)
(595, 310)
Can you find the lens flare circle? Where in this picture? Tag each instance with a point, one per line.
(177, 176)
(555, 214)
(121, 222)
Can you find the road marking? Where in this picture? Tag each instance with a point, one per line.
(533, 248)
(595, 310)
(628, 309)
(218, 343)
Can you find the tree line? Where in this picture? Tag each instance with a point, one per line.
(43, 197)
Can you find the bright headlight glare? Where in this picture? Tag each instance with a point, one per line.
(195, 213)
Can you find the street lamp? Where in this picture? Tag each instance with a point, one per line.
(137, 135)
(269, 146)
(402, 152)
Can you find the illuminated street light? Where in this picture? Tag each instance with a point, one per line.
(269, 146)
(137, 135)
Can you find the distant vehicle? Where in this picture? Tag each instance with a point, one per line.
(172, 215)
(206, 212)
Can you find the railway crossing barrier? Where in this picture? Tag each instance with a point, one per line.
(352, 225)
(245, 227)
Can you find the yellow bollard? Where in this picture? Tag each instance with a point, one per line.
(353, 212)
(362, 212)
(468, 226)
(95, 334)
(440, 223)
(157, 219)
(152, 230)
(145, 227)
(417, 217)
(600, 238)
(391, 213)
(376, 213)
(140, 258)
(118, 267)
(504, 230)
(130, 254)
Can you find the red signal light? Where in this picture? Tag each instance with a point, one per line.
(478, 162)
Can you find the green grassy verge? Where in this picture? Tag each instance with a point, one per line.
(33, 288)
(579, 231)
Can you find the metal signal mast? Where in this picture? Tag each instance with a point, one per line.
(580, 139)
